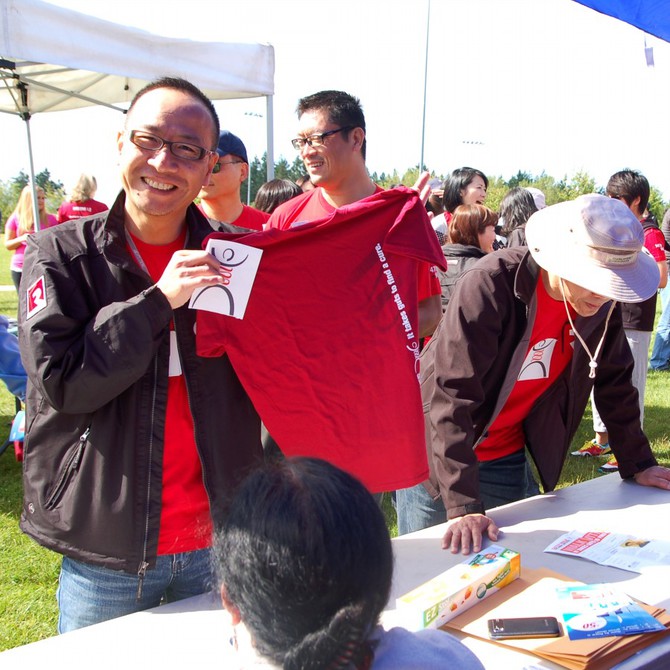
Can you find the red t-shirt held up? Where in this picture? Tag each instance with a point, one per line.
(312, 206)
(328, 348)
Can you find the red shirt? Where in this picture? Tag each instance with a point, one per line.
(654, 242)
(328, 348)
(251, 218)
(185, 524)
(77, 210)
(549, 352)
(312, 206)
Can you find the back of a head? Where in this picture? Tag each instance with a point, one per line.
(306, 558)
(627, 185)
(516, 208)
(273, 193)
(456, 182)
(343, 109)
(84, 189)
(468, 222)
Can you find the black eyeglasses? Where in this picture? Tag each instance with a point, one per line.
(217, 167)
(189, 152)
(317, 139)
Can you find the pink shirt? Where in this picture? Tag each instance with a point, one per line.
(12, 225)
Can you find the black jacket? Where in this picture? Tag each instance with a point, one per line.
(459, 258)
(97, 362)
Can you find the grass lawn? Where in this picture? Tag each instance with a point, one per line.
(29, 573)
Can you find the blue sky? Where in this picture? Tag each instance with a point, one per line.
(512, 85)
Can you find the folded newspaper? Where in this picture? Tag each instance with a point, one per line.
(614, 549)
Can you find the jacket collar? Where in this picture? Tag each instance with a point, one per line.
(114, 232)
(525, 279)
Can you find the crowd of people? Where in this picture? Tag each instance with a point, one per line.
(139, 452)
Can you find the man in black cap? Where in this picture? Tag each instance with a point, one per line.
(220, 199)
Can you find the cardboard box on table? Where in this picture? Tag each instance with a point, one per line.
(440, 599)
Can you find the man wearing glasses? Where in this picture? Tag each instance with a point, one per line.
(133, 443)
(220, 199)
(331, 141)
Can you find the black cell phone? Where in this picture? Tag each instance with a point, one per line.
(524, 627)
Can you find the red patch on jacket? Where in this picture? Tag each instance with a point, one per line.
(37, 297)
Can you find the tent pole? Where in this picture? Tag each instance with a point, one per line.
(25, 115)
(270, 141)
(425, 87)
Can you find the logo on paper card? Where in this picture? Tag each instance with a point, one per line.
(36, 297)
(538, 360)
(230, 298)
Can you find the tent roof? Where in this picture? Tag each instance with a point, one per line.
(69, 60)
(652, 16)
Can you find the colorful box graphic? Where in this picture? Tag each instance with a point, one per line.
(444, 597)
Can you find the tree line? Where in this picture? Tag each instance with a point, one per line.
(555, 190)
(10, 191)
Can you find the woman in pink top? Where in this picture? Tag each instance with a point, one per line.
(21, 224)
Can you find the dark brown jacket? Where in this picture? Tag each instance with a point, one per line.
(471, 363)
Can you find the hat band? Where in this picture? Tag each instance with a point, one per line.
(611, 257)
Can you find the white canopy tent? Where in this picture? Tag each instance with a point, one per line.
(55, 59)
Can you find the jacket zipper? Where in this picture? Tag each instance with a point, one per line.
(72, 465)
(142, 570)
(190, 409)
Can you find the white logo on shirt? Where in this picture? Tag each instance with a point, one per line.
(538, 360)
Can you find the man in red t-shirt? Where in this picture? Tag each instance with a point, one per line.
(220, 199)
(332, 145)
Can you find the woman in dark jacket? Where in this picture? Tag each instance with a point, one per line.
(471, 236)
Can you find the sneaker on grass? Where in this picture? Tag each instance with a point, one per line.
(592, 448)
(610, 466)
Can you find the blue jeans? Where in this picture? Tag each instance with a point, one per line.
(660, 353)
(501, 481)
(89, 594)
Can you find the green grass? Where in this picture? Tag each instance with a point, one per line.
(29, 573)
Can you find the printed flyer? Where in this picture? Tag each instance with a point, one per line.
(616, 550)
(598, 610)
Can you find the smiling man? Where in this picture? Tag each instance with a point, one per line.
(526, 336)
(133, 443)
(331, 141)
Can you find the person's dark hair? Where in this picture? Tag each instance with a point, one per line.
(302, 180)
(469, 221)
(343, 110)
(628, 185)
(179, 84)
(305, 556)
(274, 192)
(516, 208)
(455, 183)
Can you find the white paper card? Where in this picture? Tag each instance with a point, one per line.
(230, 299)
(174, 366)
